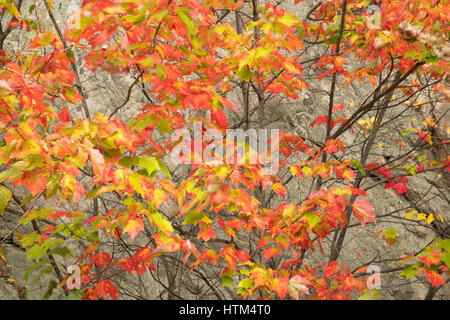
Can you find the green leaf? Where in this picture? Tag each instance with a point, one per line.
(359, 166)
(160, 222)
(288, 20)
(53, 284)
(244, 74)
(35, 252)
(370, 295)
(445, 244)
(391, 234)
(164, 126)
(409, 271)
(62, 251)
(150, 164)
(5, 197)
(227, 281)
(410, 169)
(312, 219)
(246, 283)
(193, 217)
(135, 180)
(31, 268)
(13, 173)
(164, 169)
(128, 161)
(445, 257)
(75, 294)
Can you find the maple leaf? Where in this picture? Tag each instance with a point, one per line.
(364, 211)
(319, 120)
(400, 188)
(434, 257)
(127, 264)
(97, 161)
(259, 275)
(133, 227)
(105, 288)
(219, 117)
(64, 115)
(435, 278)
(331, 269)
(100, 259)
(298, 285)
(281, 286)
(270, 252)
(334, 145)
(5, 197)
(280, 189)
(206, 232)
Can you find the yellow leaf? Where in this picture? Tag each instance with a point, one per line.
(422, 216)
(410, 215)
(352, 104)
(440, 217)
(294, 170)
(380, 145)
(407, 102)
(430, 218)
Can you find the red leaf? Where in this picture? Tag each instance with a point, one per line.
(400, 188)
(127, 264)
(338, 107)
(434, 257)
(364, 211)
(64, 115)
(140, 268)
(278, 188)
(100, 259)
(319, 120)
(435, 278)
(106, 288)
(219, 117)
(270, 252)
(331, 269)
(206, 232)
(281, 286)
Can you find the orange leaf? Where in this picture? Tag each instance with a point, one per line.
(364, 211)
(133, 227)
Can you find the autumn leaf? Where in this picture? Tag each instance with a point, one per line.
(434, 257)
(97, 161)
(400, 188)
(206, 233)
(100, 259)
(435, 278)
(298, 286)
(270, 252)
(127, 264)
(133, 227)
(364, 211)
(64, 115)
(219, 117)
(279, 189)
(105, 288)
(331, 269)
(5, 197)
